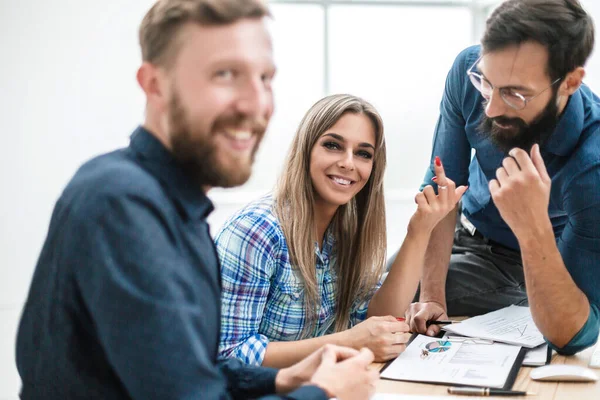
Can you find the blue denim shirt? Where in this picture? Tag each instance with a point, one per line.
(572, 157)
(125, 298)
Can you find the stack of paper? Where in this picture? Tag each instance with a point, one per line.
(537, 356)
(512, 325)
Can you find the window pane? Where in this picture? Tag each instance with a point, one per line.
(592, 68)
(297, 32)
(398, 58)
(403, 2)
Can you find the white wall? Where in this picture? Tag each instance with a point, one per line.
(68, 92)
(593, 65)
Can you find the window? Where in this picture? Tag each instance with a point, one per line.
(394, 53)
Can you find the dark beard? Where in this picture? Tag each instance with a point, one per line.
(196, 152)
(523, 136)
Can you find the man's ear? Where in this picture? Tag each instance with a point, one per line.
(152, 80)
(572, 82)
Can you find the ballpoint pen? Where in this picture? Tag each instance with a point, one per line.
(473, 391)
(440, 322)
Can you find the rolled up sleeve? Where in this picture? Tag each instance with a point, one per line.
(579, 246)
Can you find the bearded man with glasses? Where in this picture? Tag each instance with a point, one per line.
(521, 129)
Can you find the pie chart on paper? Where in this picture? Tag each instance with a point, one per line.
(438, 346)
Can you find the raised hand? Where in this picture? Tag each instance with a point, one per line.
(432, 207)
(521, 190)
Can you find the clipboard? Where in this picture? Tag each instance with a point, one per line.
(508, 383)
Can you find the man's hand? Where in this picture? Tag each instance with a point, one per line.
(299, 374)
(418, 314)
(386, 337)
(349, 379)
(521, 190)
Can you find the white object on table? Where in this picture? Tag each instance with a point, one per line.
(561, 372)
(536, 357)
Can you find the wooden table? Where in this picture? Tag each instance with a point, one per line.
(544, 390)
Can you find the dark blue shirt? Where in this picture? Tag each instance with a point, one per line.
(572, 157)
(125, 298)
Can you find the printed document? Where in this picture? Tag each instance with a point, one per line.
(512, 325)
(457, 362)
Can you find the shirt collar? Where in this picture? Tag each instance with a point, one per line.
(325, 253)
(566, 135)
(154, 157)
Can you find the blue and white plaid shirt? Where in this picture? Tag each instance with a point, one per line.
(262, 297)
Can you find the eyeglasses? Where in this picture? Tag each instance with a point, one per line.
(512, 99)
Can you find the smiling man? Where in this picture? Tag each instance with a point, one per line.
(125, 299)
(529, 227)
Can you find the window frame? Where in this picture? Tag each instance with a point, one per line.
(479, 9)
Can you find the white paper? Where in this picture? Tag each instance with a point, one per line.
(536, 356)
(461, 363)
(512, 325)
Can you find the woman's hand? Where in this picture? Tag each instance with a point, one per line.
(433, 208)
(386, 337)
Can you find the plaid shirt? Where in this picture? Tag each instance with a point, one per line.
(262, 297)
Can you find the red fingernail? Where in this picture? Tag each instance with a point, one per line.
(400, 319)
(438, 162)
(434, 178)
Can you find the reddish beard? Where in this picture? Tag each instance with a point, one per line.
(196, 151)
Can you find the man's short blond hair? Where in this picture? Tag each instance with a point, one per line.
(159, 33)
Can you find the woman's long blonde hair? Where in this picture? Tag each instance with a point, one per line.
(358, 226)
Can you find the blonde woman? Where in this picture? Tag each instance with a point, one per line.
(303, 267)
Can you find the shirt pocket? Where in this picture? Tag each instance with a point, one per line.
(289, 292)
(284, 315)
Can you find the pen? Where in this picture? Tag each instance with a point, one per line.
(440, 322)
(472, 391)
